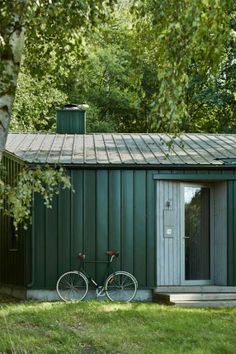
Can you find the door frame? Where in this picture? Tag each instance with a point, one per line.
(183, 281)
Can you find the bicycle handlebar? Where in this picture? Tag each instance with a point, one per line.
(111, 254)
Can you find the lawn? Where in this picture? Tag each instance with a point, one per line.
(105, 327)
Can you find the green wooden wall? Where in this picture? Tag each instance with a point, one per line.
(12, 264)
(110, 209)
(231, 201)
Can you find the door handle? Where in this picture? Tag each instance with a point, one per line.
(186, 237)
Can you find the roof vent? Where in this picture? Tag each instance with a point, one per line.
(71, 119)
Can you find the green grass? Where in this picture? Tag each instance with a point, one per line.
(105, 327)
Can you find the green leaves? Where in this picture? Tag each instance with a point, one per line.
(36, 103)
(187, 38)
(16, 200)
(153, 65)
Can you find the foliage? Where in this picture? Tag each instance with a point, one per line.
(53, 29)
(108, 78)
(212, 103)
(184, 40)
(149, 67)
(16, 196)
(102, 327)
(35, 104)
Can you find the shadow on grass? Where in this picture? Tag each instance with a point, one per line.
(5, 299)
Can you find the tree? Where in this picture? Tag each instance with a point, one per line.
(36, 101)
(64, 23)
(185, 40)
(11, 41)
(41, 20)
(134, 72)
(212, 103)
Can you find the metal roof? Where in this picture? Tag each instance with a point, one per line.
(123, 149)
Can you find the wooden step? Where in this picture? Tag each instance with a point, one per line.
(195, 289)
(196, 296)
(172, 297)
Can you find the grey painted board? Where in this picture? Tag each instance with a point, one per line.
(111, 148)
(90, 153)
(146, 152)
(100, 148)
(78, 150)
(55, 152)
(67, 149)
(170, 228)
(124, 152)
(168, 248)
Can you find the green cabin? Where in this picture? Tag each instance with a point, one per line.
(169, 209)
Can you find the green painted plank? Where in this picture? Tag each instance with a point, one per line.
(64, 232)
(115, 213)
(230, 228)
(28, 259)
(39, 226)
(77, 210)
(140, 265)
(51, 260)
(151, 231)
(11, 262)
(90, 218)
(101, 222)
(127, 220)
(234, 235)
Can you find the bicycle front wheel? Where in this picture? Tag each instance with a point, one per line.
(72, 286)
(121, 286)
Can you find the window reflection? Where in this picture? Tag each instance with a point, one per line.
(197, 233)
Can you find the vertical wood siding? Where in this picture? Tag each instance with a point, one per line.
(109, 210)
(12, 263)
(168, 248)
(231, 222)
(220, 234)
(113, 209)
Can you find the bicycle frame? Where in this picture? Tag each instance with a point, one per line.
(109, 269)
(117, 284)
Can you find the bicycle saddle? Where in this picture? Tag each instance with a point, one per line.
(112, 253)
(81, 256)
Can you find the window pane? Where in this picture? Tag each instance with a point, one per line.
(197, 233)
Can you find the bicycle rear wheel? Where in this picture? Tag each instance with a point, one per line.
(121, 286)
(72, 286)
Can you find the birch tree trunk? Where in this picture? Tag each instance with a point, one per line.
(12, 14)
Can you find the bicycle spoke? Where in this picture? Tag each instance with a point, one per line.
(121, 287)
(126, 285)
(72, 286)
